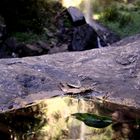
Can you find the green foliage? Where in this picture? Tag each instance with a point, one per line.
(127, 7)
(110, 14)
(25, 37)
(23, 15)
(29, 37)
(46, 30)
(93, 120)
(27, 15)
(137, 3)
(125, 19)
(130, 28)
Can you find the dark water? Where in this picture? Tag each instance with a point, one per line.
(52, 120)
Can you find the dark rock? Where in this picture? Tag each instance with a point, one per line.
(84, 38)
(11, 48)
(107, 37)
(126, 41)
(43, 45)
(77, 16)
(23, 50)
(58, 49)
(110, 37)
(11, 43)
(8, 47)
(3, 32)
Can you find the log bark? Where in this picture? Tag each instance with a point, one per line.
(112, 73)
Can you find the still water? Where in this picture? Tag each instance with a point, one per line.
(52, 120)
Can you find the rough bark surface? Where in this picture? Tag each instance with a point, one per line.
(112, 72)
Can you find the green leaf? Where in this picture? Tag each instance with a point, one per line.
(93, 120)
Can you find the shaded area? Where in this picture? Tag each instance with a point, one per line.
(66, 31)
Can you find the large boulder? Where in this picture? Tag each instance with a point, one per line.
(111, 74)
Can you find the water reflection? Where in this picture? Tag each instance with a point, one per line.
(51, 120)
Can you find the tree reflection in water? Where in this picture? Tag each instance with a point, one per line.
(52, 120)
